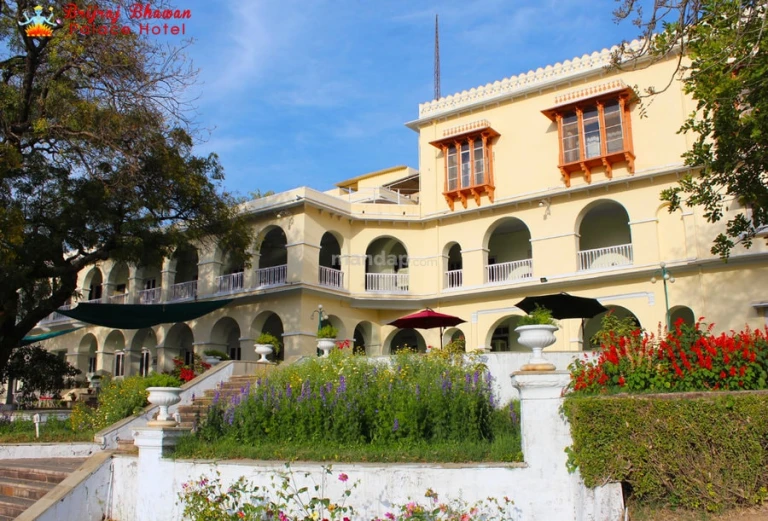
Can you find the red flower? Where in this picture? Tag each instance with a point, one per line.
(732, 371)
(621, 381)
(722, 375)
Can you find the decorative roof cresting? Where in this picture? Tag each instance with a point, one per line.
(541, 76)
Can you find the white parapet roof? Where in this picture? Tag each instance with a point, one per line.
(514, 85)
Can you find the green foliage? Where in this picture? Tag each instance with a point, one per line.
(51, 431)
(40, 371)
(327, 331)
(292, 498)
(118, 399)
(347, 401)
(185, 372)
(727, 79)
(539, 316)
(215, 352)
(700, 452)
(458, 346)
(688, 358)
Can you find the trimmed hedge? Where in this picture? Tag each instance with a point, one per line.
(703, 451)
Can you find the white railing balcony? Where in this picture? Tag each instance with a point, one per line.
(386, 282)
(150, 296)
(601, 258)
(453, 279)
(274, 276)
(184, 291)
(331, 277)
(230, 283)
(120, 298)
(57, 317)
(508, 271)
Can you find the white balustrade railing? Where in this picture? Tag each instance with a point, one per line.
(600, 258)
(331, 277)
(453, 279)
(184, 291)
(386, 282)
(121, 298)
(508, 271)
(150, 296)
(230, 283)
(274, 276)
(57, 317)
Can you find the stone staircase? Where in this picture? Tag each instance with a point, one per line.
(193, 414)
(23, 482)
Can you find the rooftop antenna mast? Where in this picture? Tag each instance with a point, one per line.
(437, 61)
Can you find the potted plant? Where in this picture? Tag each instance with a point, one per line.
(326, 339)
(164, 397)
(214, 356)
(537, 331)
(266, 344)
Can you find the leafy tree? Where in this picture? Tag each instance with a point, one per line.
(39, 371)
(96, 163)
(727, 76)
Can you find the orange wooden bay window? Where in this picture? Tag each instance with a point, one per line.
(594, 131)
(468, 163)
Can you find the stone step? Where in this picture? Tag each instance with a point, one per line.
(24, 488)
(6, 518)
(13, 507)
(52, 470)
(126, 447)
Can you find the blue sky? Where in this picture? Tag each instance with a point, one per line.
(311, 92)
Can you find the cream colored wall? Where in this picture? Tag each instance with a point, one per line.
(526, 154)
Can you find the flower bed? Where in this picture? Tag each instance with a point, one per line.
(350, 407)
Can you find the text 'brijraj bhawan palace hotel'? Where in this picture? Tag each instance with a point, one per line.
(539, 183)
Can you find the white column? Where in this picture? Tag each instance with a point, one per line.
(153, 445)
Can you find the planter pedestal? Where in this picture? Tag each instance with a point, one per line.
(164, 397)
(263, 350)
(325, 345)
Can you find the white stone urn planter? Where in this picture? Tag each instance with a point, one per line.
(325, 345)
(213, 360)
(537, 337)
(164, 397)
(263, 350)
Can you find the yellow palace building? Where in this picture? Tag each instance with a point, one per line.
(544, 182)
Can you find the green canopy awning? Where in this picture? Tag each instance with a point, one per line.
(45, 336)
(139, 316)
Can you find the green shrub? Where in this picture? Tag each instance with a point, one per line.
(119, 399)
(221, 355)
(539, 316)
(327, 332)
(700, 452)
(268, 338)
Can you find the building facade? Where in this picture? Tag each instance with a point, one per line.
(540, 183)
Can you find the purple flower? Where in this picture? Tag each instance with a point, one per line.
(446, 385)
(476, 377)
(288, 390)
(322, 393)
(396, 426)
(306, 391)
(512, 413)
(342, 384)
(216, 397)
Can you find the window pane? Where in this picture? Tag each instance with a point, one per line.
(465, 165)
(479, 162)
(591, 132)
(613, 127)
(570, 138)
(452, 169)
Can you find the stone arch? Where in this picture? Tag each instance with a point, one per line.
(269, 322)
(93, 285)
(113, 354)
(453, 265)
(338, 324)
(143, 358)
(399, 338)
(330, 250)
(501, 336)
(87, 360)
(179, 342)
(117, 281)
(592, 325)
(225, 335)
(455, 333)
(681, 312)
(507, 250)
(184, 264)
(273, 249)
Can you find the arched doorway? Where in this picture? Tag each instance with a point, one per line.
(593, 325)
(407, 338)
(225, 335)
(179, 343)
(683, 313)
(605, 238)
(501, 337)
(508, 242)
(386, 266)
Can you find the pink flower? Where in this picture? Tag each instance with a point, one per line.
(343, 477)
(390, 515)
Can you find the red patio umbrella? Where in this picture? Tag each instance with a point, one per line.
(427, 319)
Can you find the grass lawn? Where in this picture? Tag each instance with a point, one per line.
(52, 431)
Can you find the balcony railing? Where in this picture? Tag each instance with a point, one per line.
(184, 291)
(453, 279)
(230, 283)
(331, 277)
(150, 296)
(508, 271)
(274, 276)
(386, 282)
(121, 298)
(601, 258)
(57, 317)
